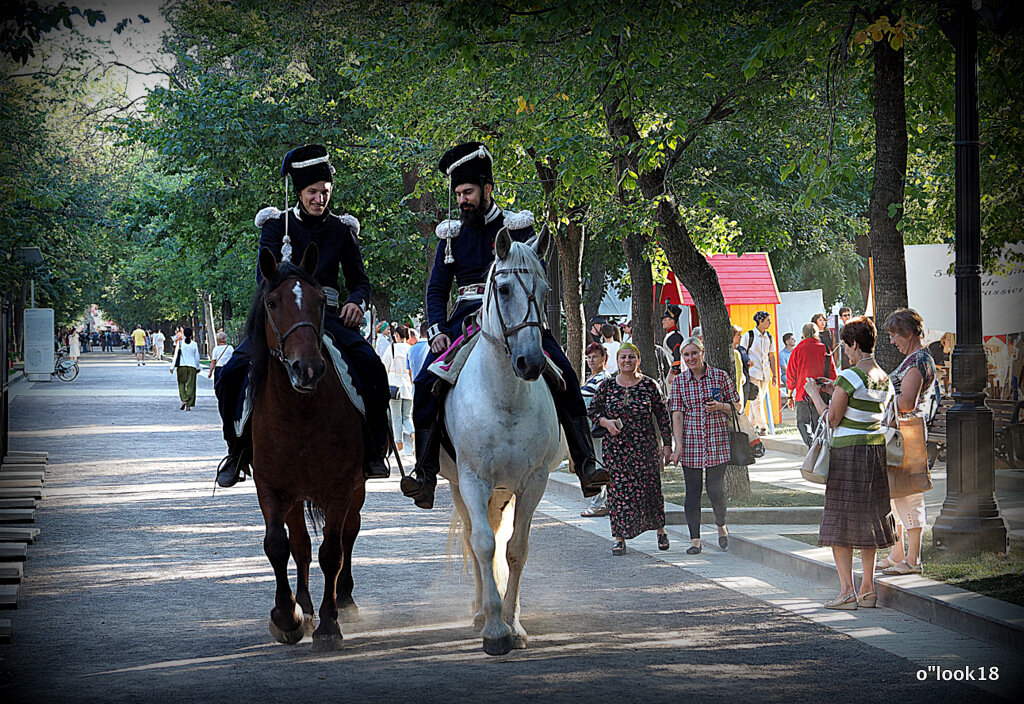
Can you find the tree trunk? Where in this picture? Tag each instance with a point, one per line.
(570, 248)
(642, 309)
(737, 482)
(211, 333)
(382, 303)
(570, 244)
(694, 272)
(426, 207)
(595, 291)
(690, 267)
(890, 114)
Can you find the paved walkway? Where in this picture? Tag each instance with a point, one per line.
(144, 587)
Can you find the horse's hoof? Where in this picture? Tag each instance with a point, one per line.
(518, 642)
(293, 636)
(498, 646)
(289, 637)
(348, 614)
(327, 644)
(478, 622)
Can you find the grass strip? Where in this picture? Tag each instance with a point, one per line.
(990, 574)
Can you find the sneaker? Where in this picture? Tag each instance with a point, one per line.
(903, 568)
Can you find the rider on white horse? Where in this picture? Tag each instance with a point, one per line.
(464, 255)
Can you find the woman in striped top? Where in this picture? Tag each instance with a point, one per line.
(857, 512)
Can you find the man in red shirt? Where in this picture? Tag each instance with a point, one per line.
(810, 360)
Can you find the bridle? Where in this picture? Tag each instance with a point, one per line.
(533, 306)
(278, 352)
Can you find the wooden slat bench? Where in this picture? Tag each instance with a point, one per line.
(18, 503)
(1009, 430)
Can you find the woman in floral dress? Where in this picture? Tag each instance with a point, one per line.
(630, 407)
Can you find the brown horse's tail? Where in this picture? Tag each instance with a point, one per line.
(316, 516)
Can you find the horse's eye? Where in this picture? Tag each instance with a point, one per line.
(504, 289)
(271, 305)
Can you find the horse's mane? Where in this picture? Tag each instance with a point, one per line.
(520, 255)
(256, 322)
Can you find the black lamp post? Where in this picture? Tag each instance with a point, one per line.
(970, 518)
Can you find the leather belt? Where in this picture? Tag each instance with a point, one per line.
(471, 292)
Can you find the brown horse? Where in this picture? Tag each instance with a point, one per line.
(307, 448)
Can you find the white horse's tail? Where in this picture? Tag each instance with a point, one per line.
(502, 524)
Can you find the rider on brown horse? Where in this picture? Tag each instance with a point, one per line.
(336, 237)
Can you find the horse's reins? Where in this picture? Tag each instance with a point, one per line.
(278, 353)
(533, 305)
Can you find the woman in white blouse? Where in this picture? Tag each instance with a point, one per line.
(400, 378)
(186, 361)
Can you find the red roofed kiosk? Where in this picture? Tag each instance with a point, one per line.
(748, 285)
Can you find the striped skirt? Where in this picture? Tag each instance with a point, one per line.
(857, 512)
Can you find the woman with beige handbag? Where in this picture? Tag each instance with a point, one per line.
(914, 383)
(856, 515)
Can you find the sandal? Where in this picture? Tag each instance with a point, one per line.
(903, 568)
(594, 511)
(663, 541)
(843, 602)
(693, 550)
(619, 548)
(867, 601)
(884, 564)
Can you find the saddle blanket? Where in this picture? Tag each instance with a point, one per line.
(449, 365)
(340, 368)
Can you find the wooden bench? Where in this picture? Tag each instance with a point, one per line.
(1008, 419)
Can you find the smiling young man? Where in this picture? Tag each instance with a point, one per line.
(336, 238)
(464, 255)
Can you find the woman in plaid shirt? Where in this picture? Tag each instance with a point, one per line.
(701, 399)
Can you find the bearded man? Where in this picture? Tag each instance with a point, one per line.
(464, 256)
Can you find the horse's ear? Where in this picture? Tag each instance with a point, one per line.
(502, 243)
(310, 258)
(268, 264)
(542, 243)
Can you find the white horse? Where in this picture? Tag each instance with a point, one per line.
(505, 432)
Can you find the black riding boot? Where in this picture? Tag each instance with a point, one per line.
(419, 486)
(231, 468)
(581, 450)
(374, 466)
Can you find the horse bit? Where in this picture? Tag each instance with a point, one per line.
(279, 351)
(533, 305)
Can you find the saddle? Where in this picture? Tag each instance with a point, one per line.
(449, 364)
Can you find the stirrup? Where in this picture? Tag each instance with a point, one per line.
(228, 473)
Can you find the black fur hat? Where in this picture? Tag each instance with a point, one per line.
(307, 164)
(467, 163)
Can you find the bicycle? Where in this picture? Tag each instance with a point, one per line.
(65, 369)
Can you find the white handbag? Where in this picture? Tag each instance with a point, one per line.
(891, 428)
(815, 466)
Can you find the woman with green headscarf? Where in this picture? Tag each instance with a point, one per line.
(624, 405)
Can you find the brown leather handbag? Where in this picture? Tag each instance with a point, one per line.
(911, 476)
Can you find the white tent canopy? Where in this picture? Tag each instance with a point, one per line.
(796, 308)
(612, 305)
(931, 291)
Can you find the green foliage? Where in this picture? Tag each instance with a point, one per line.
(25, 23)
